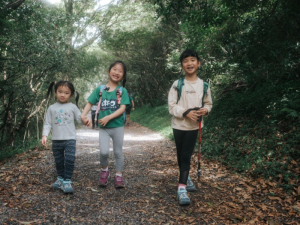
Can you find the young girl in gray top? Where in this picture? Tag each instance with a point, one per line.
(60, 118)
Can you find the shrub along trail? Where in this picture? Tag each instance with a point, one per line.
(149, 197)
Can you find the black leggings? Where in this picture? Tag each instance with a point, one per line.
(185, 143)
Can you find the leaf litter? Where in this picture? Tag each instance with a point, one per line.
(151, 175)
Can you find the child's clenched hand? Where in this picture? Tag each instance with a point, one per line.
(104, 121)
(44, 141)
(202, 111)
(86, 121)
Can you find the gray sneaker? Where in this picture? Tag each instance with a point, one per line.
(190, 185)
(182, 197)
(67, 187)
(58, 183)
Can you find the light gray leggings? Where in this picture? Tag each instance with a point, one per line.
(117, 136)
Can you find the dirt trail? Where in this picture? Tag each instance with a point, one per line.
(150, 174)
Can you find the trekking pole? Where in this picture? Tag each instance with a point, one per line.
(199, 150)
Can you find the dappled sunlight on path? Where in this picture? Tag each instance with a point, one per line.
(149, 137)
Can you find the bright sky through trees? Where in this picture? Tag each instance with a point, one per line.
(102, 2)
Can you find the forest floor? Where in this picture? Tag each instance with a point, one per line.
(151, 175)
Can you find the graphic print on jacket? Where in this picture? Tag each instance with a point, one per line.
(109, 104)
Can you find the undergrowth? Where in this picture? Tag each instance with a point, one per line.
(17, 148)
(155, 118)
(254, 134)
(258, 133)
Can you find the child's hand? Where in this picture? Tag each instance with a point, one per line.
(86, 121)
(104, 121)
(203, 111)
(44, 141)
(194, 115)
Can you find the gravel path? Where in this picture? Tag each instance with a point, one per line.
(150, 174)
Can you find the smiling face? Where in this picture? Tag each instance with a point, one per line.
(63, 94)
(190, 65)
(116, 73)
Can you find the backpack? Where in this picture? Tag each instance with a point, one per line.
(119, 96)
(180, 85)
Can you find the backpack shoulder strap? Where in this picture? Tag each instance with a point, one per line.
(100, 98)
(180, 84)
(205, 88)
(120, 89)
(119, 95)
(179, 88)
(101, 89)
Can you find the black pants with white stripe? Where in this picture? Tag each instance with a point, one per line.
(64, 155)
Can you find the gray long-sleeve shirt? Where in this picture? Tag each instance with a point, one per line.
(61, 118)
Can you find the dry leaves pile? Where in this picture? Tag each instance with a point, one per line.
(151, 176)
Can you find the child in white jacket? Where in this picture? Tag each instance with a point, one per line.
(184, 121)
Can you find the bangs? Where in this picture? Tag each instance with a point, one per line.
(188, 53)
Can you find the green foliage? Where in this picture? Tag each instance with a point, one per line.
(143, 44)
(27, 61)
(36, 49)
(250, 53)
(257, 131)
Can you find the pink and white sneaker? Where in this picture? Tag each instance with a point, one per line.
(104, 175)
(119, 182)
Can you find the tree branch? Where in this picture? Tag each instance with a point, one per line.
(14, 5)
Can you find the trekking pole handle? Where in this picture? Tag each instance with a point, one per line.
(187, 111)
(200, 117)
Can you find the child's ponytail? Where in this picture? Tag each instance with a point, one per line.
(50, 88)
(62, 83)
(77, 98)
(124, 82)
